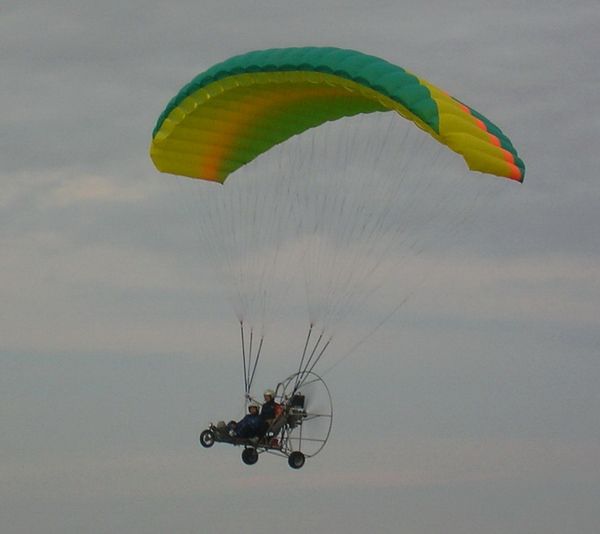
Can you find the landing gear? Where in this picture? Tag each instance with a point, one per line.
(250, 456)
(296, 460)
(207, 439)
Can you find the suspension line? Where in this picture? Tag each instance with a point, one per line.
(244, 357)
(304, 351)
(311, 362)
(260, 344)
(249, 362)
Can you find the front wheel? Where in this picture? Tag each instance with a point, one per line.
(207, 438)
(296, 460)
(250, 456)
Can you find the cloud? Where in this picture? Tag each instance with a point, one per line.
(93, 188)
(418, 464)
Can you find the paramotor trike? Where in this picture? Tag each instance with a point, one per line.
(300, 431)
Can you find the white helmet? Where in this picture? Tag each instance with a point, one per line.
(269, 393)
(254, 405)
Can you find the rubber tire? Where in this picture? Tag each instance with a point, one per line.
(207, 438)
(249, 456)
(296, 460)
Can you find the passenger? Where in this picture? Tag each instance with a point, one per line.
(251, 425)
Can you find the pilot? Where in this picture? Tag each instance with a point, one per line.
(268, 411)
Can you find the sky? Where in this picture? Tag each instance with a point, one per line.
(473, 408)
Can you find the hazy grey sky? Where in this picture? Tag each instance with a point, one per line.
(475, 408)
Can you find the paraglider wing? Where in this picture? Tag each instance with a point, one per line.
(240, 108)
(325, 216)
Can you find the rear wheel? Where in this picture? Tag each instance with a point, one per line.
(207, 438)
(296, 460)
(249, 456)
